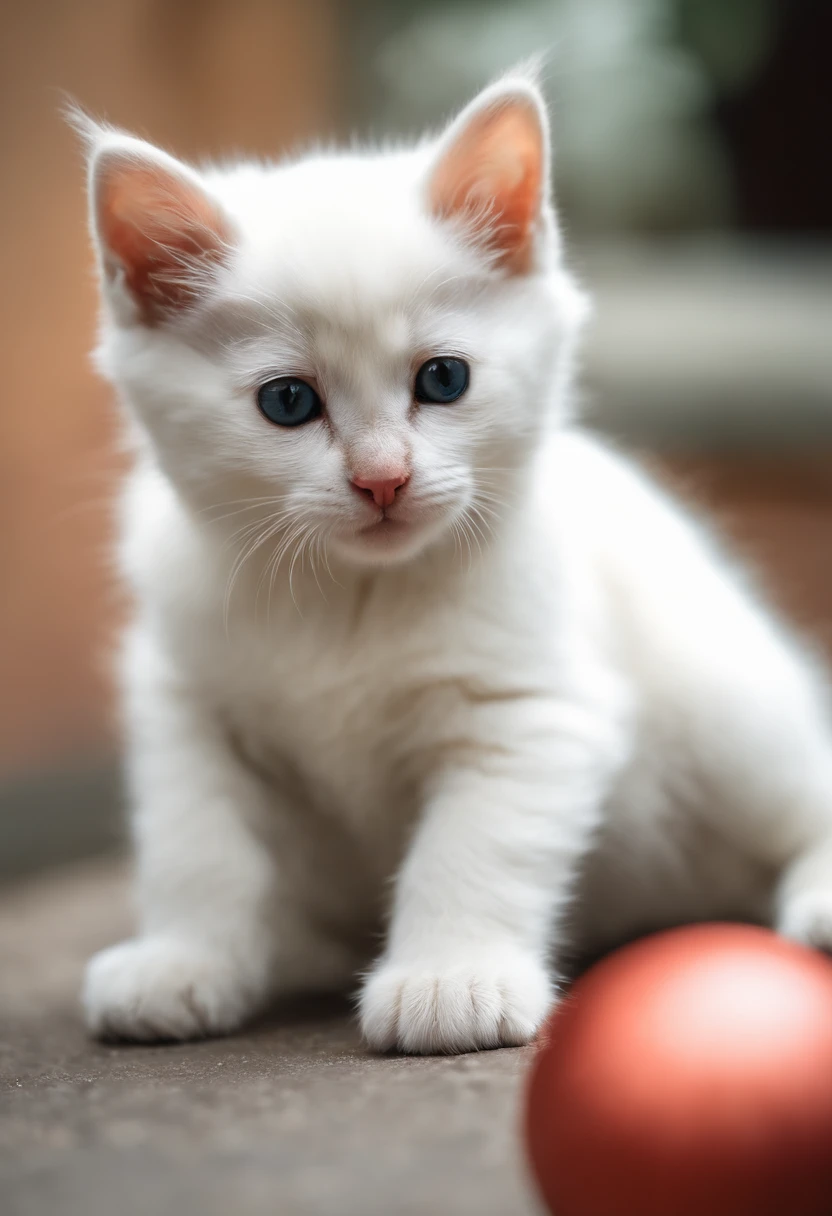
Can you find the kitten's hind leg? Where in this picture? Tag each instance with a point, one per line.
(804, 897)
(793, 809)
(768, 749)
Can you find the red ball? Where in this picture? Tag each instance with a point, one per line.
(688, 1074)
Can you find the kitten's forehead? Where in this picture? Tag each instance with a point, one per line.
(339, 258)
(341, 234)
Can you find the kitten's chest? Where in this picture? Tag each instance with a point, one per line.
(353, 725)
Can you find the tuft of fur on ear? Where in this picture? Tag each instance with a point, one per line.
(491, 175)
(159, 234)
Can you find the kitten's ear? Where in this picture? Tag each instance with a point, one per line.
(160, 235)
(492, 172)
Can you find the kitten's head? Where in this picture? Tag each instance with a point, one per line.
(369, 345)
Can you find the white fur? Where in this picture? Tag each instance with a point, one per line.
(542, 716)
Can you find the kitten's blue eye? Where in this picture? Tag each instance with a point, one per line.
(288, 401)
(441, 380)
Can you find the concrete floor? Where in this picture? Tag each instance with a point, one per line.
(290, 1117)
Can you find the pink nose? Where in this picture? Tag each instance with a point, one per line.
(382, 490)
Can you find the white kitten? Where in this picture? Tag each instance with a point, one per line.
(409, 649)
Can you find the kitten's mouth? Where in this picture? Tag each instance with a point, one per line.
(385, 525)
(388, 538)
(392, 525)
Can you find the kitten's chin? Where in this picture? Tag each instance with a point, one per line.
(389, 542)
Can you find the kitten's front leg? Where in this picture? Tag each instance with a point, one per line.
(217, 930)
(489, 871)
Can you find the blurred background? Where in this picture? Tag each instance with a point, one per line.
(693, 170)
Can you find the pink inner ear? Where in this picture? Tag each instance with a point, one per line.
(161, 229)
(492, 178)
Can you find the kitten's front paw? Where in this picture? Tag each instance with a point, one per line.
(460, 1007)
(163, 988)
(807, 918)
